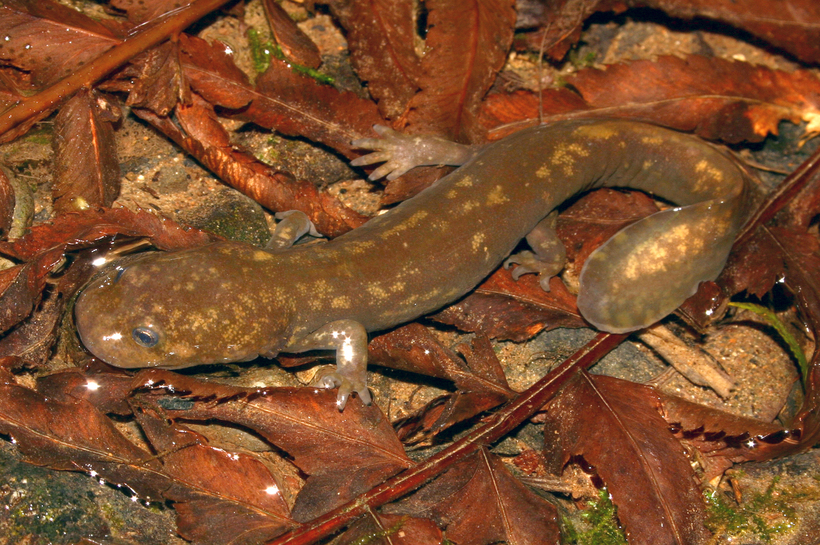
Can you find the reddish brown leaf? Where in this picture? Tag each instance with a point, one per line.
(508, 113)
(33, 340)
(613, 425)
(502, 308)
(141, 11)
(466, 45)
(381, 35)
(400, 530)
(87, 169)
(75, 436)
(283, 100)
(50, 40)
(213, 74)
(715, 98)
(345, 453)
(203, 136)
(297, 105)
(7, 200)
(107, 391)
(791, 25)
(478, 501)
(156, 80)
(219, 496)
(21, 286)
(480, 381)
(80, 229)
(295, 44)
(721, 434)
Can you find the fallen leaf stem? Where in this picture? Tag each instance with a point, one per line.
(94, 71)
(496, 427)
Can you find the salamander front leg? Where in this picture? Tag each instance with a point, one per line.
(548, 255)
(293, 225)
(402, 152)
(349, 339)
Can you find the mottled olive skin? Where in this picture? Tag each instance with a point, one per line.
(229, 301)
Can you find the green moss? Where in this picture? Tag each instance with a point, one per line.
(262, 52)
(604, 529)
(766, 516)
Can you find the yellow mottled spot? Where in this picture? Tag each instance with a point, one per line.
(497, 196)
(653, 140)
(260, 255)
(467, 181)
(397, 287)
(477, 241)
(566, 155)
(543, 173)
(452, 194)
(342, 301)
(376, 290)
(598, 131)
(647, 164)
(708, 177)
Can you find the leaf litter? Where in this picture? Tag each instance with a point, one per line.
(190, 89)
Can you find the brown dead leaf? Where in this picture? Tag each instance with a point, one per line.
(295, 44)
(466, 45)
(219, 496)
(791, 25)
(156, 81)
(33, 340)
(7, 201)
(142, 11)
(81, 229)
(503, 308)
(720, 434)
(50, 40)
(87, 169)
(344, 453)
(201, 134)
(378, 528)
(479, 377)
(613, 426)
(381, 35)
(478, 501)
(712, 97)
(74, 436)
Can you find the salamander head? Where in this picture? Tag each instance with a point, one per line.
(180, 309)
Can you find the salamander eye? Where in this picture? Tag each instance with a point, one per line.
(145, 337)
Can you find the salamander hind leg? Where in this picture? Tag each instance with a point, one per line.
(645, 271)
(548, 255)
(349, 339)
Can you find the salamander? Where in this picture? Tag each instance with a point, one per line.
(230, 301)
